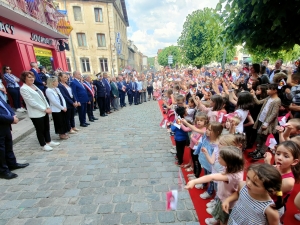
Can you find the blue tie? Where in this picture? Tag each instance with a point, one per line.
(3, 106)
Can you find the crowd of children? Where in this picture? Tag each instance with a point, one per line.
(221, 118)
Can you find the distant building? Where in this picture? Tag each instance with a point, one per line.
(99, 39)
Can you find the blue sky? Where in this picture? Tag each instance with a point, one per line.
(156, 24)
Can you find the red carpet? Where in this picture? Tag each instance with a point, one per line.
(200, 204)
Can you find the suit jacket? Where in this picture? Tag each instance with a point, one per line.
(69, 100)
(101, 90)
(107, 86)
(79, 92)
(55, 97)
(36, 103)
(114, 89)
(120, 85)
(5, 119)
(129, 88)
(89, 89)
(37, 80)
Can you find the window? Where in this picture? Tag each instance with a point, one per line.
(85, 64)
(69, 64)
(101, 40)
(81, 39)
(98, 15)
(77, 13)
(103, 65)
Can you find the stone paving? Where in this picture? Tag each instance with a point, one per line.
(116, 171)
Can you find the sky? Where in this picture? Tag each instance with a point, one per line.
(156, 24)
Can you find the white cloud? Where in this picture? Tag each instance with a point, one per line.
(158, 23)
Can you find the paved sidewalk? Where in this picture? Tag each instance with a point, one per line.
(116, 171)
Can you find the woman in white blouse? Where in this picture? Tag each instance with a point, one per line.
(38, 110)
(58, 108)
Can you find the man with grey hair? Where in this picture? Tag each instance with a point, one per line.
(87, 83)
(81, 96)
(37, 80)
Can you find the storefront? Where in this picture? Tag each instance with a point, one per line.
(20, 45)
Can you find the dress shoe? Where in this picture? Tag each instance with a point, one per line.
(102, 115)
(91, 120)
(83, 125)
(87, 124)
(9, 175)
(105, 115)
(18, 166)
(94, 118)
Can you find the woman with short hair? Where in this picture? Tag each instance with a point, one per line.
(38, 110)
(58, 107)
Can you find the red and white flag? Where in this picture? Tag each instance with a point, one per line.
(283, 119)
(271, 141)
(163, 123)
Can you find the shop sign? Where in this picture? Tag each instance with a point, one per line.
(64, 27)
(7, 28)
(42, 52)
(40, 39)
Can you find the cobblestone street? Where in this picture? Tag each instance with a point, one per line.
(116, 171)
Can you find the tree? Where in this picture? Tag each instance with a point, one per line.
(151, 61)
(44, 61)
(261, 24)
(171, 50)
(201, 41)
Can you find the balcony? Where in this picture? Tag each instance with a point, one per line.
(39, 15)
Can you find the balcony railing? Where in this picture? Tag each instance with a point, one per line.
(41, 10)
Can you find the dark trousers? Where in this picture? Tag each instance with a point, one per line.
(42, 128)
(251, 135)
(138, 97)
(122, 98)
(81, 113)
(70, 114)
(130, 98)
(7, 156)
(197, 167)
(135, 97)
(101, 105)
(150, 92)
(180, 145)
(90, 109)
(107, 103)
(16, 96)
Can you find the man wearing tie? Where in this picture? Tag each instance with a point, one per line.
(129, 89)
(8, 160)
(81, 96)
(91, 94)
(37, 80)
(108, 89)
(121, 88)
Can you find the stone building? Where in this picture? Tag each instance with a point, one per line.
(98, 42)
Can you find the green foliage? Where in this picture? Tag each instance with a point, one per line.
(44, 61)
(163, 55)
(201, 41)
(263, 25)
(151, 61)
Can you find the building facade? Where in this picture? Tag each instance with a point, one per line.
(28, 30)
(98, 42)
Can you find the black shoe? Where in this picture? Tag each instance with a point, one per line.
(102, 115)
(253, 153)
(258, 156)
(87, 124)
(9, 175)
(124, 105)
(91, 120)
(83, 125)
(18, 166)
(94, 109)
(94, 118)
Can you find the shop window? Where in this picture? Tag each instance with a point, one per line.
(69, 64)
(77, 13)
(81, 39)
(85, 64)
(103, 65)
(101, 40)
(98, 15)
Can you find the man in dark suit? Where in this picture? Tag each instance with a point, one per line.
(90, 91)
(129, 88)
(121, 89)
(37, 80)
(101, 94)
(108, 89)
(8, 160)
(81, 96)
